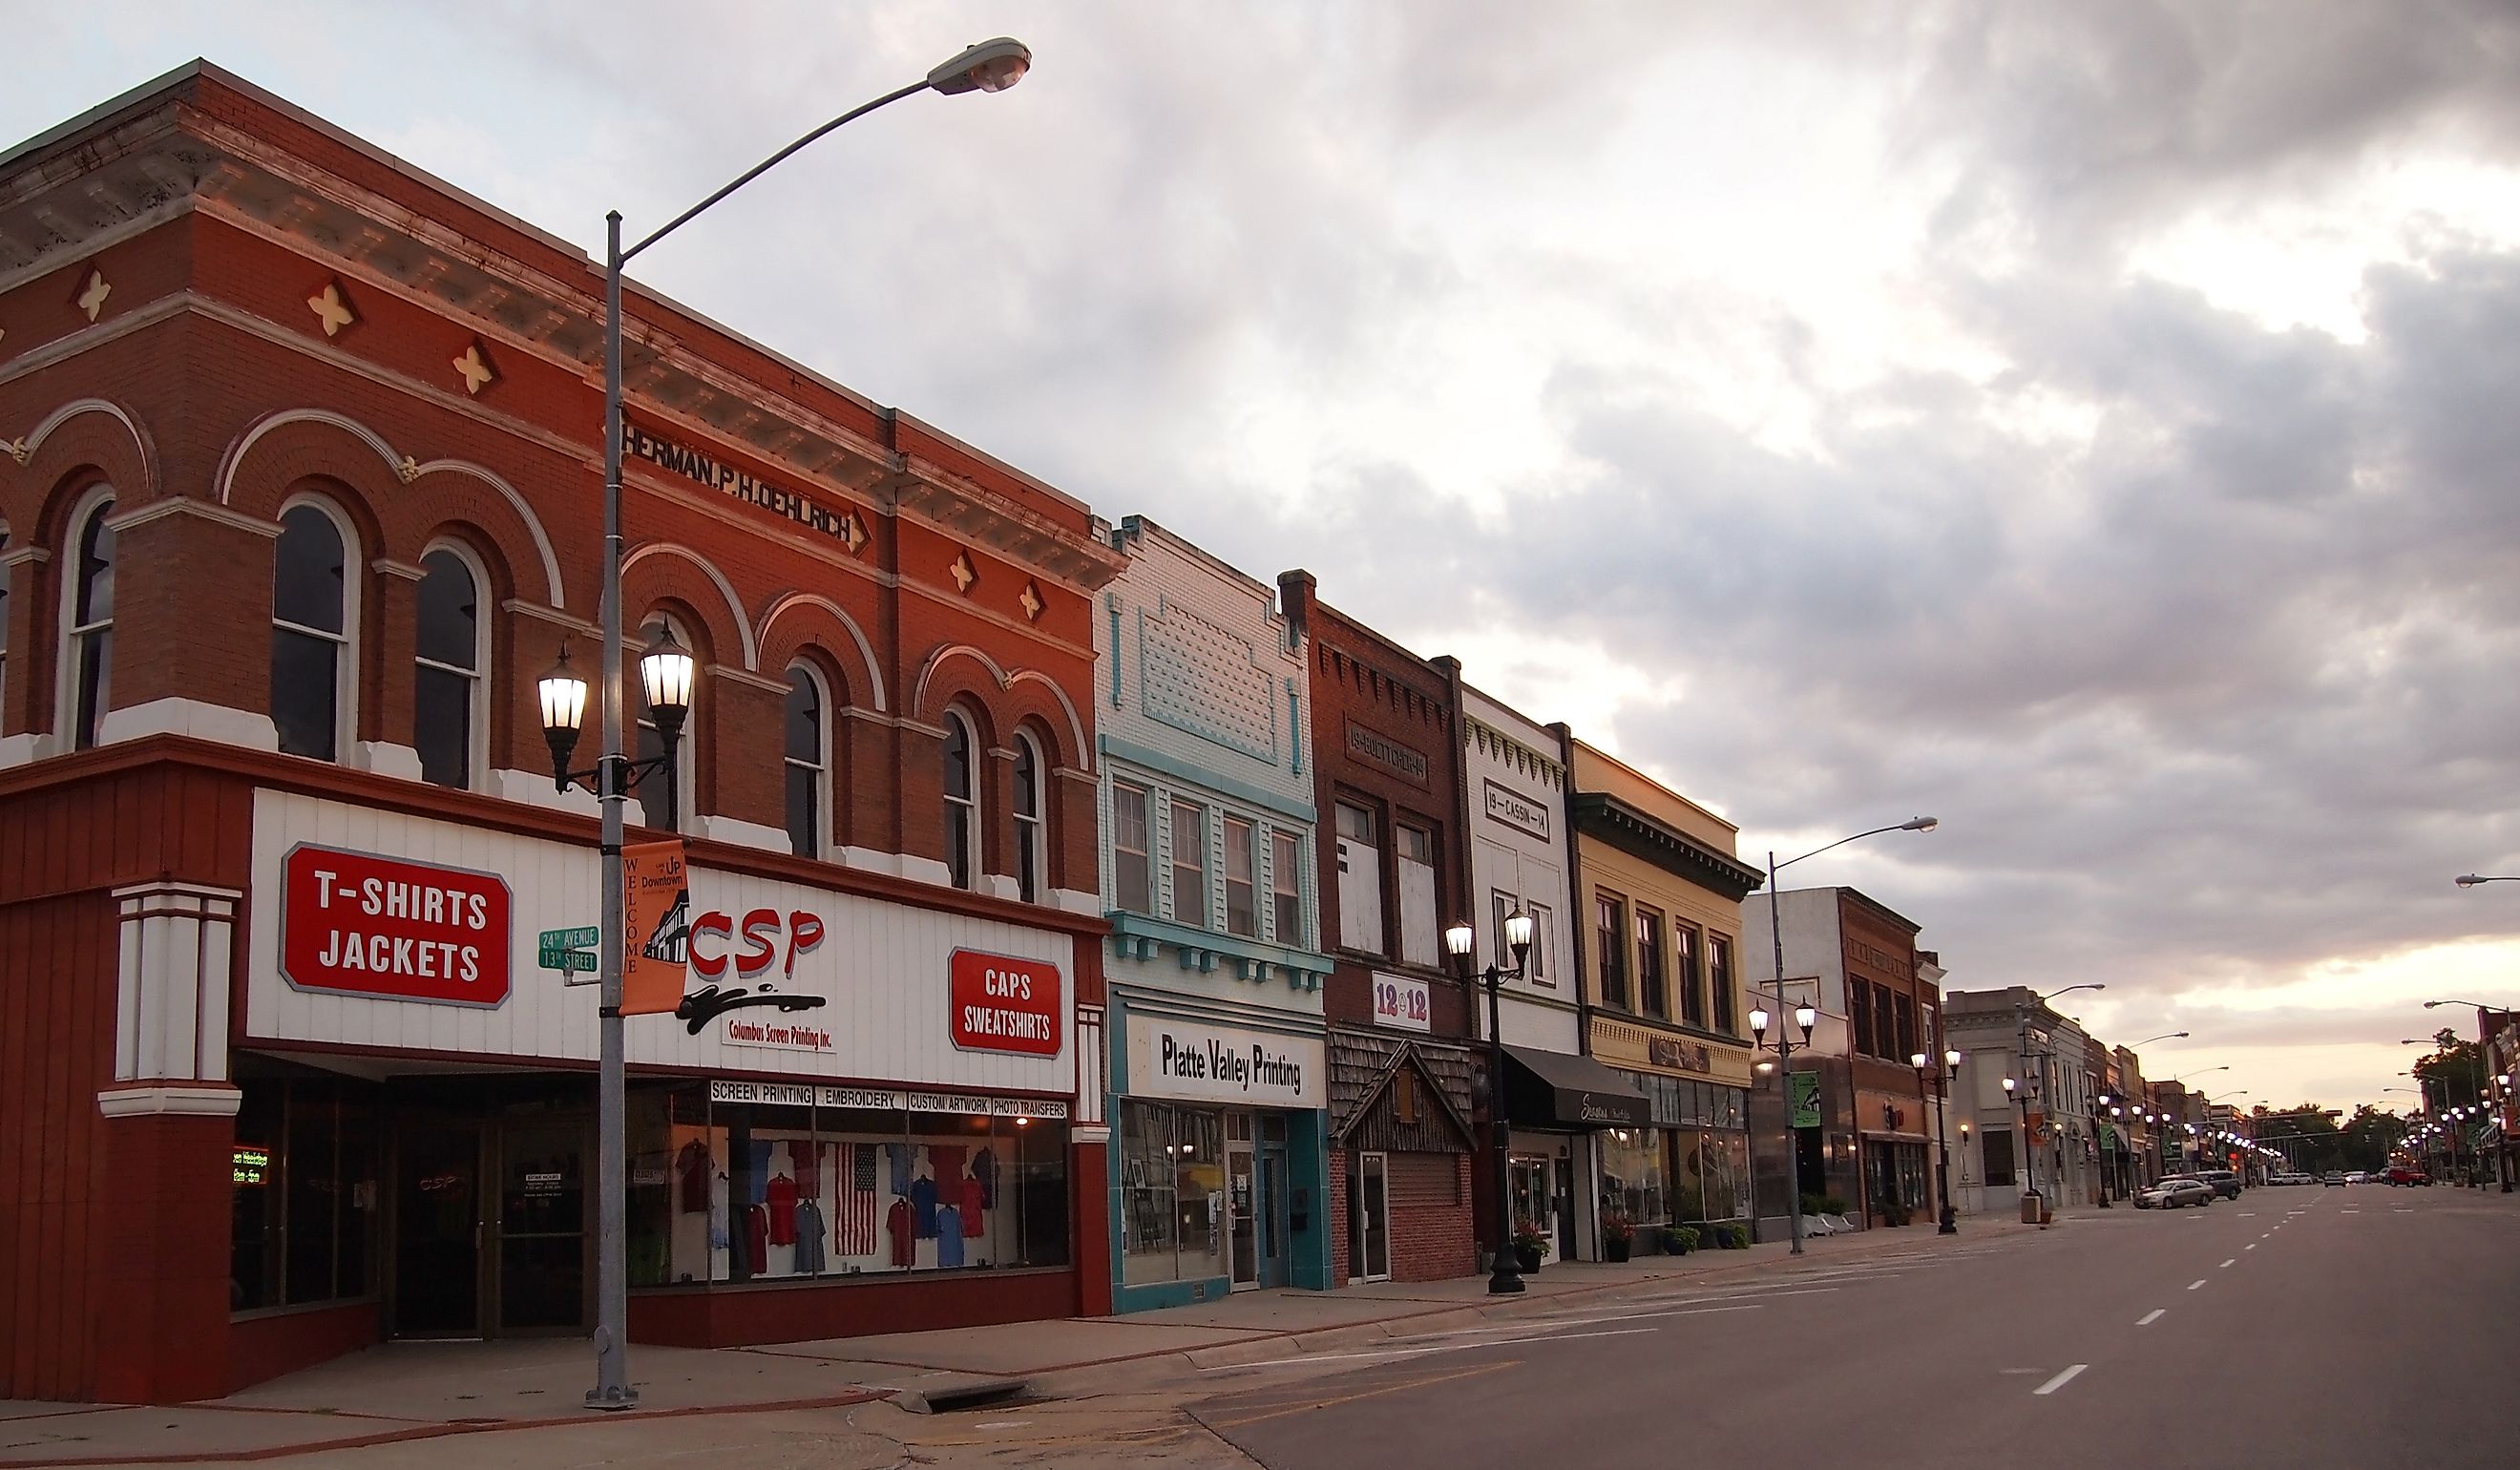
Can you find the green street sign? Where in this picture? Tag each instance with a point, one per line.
(1805, 1092)
(570, 962)
(571, 939)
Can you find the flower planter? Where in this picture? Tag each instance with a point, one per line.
(1615, 1248)
(1530, 1256)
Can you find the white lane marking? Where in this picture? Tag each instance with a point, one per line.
(2402, 1209)
(2198, 1282)
(2251, 1246)
(2346, 1212)
(2152, 1317)
(2059, 1381)
(1003, 1424)
(2244, 1213)
(1635, 1316)
(2228, 1265)
(1504, 1342)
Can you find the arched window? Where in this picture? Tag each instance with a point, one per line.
(809, 762)
(310, 632)
(961, 802)
(4, 614)
(665, 799)
(1030, 860)
(448, 679)
(90, 625)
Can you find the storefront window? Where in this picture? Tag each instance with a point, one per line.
(746, 1192)
(302, 1192)
(1173, 1210)
(1632, 1176)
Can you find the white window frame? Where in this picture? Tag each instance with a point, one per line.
(97, 504)
(1146, 795)
(965, 812)
(345, 661)
(1031, 828)
(822, 768)
(477, 759)
(633, 700)
(1287, 882)
(1174, 805)
(1252, 882)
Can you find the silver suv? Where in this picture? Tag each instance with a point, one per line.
(2226, 1182)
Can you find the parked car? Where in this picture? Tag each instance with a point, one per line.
(2174, 1191)
(2336, 1176)
(2357, 1176)
(2408, 1174)
(2226, 1182)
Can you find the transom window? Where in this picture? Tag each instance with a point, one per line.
(447, 675)
(1132, 870)
(961, 802)
(310, 633)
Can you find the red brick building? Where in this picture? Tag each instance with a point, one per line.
(299, 497)
(1386, 751)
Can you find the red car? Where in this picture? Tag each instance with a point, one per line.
(2406, 1174)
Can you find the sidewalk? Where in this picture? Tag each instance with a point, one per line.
(418, 1391)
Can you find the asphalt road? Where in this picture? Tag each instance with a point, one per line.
(2361, 1328)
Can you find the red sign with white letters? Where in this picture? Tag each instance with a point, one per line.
(359, 924)
(1001, 1004)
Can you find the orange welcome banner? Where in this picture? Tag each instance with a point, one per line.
(657, 927)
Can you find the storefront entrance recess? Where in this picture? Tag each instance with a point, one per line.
(499, 1262)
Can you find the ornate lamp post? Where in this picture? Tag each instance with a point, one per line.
(1505, 1278)
(990, 66)
(1950, 1217)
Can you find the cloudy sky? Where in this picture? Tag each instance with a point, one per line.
(2097, 427)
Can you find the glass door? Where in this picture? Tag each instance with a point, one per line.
(1243, 1195)
(542, 1227)
(1273, 1215)
(437, 1230)
(1369, 1219)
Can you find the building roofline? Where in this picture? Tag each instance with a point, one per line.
(1587, 747)
(1147, 526)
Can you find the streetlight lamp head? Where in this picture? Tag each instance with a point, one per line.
(2467, 880)
(990, 66)
(1916, 1059)
(1457, 940)
(2009, 1084)
(1759, 1022)
(1951, 1058)
(665, 674)
(1806, 1017)
(1920, 824)
(1519, 932)
(562, 695)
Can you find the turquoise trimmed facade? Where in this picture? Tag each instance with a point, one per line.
(1218, 1070)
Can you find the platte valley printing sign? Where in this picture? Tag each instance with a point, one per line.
(1206, 1063)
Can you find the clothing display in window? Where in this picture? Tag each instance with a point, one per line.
(923, 1203)
(781, 1204)
(717, 1219)
(809, 1238)
(757, 1238)
(949, 1236)
(897, 1160)
(945, 1161)
(807, 1158)
(896, 1223)
(984, 1173)
(692, 1169)
(756, 1180)
(974, 1206)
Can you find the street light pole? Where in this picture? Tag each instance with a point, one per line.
(1950, 1217)
(1805, 1017)
(990, 66)
(1505, 1278)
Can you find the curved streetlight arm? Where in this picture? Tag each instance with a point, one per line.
(2164, 1037)
(2471, 879)
(1914, 824)
(771, 162)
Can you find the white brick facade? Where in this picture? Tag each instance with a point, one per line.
(1518, 858)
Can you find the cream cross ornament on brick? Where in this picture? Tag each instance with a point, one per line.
(1032, 603)
(853, 532)
(475, 368)
(330, 309)
(92, 299)
(964, 575)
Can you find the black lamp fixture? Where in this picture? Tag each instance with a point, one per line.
(665, 674)
(1948, 1218)
(1461, 941)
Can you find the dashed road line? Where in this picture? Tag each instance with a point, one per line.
(2152, 1317)
(2196, 1285)
(2228, 1265)
(2059, 1381)
(2251, 1246)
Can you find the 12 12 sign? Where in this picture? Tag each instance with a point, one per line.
(1403, 1003)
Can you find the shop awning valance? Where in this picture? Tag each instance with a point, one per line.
(1558, 1089)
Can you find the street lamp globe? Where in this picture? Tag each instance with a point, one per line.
(2008, 1084)
(1519, 931)
(1805, 1017)
(1916, 1059)
(1952, 1060)
(665, 674)
(993, 66)
(1457, 940)
(1759, 1022)
(563, 696)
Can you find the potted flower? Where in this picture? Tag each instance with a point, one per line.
(1616, 1233)
(1679, 1240)
(1530, 1245)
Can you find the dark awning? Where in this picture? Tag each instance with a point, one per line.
(1556, 1089)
